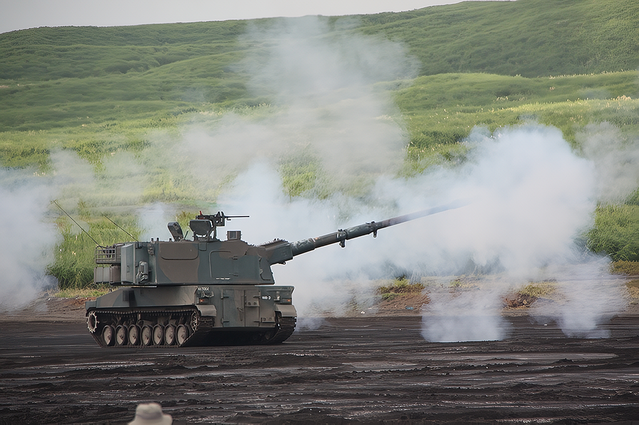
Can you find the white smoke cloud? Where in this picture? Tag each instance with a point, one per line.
(339, 114)
(588, 295)
(274, 215)
(26, 197)
(473, 315)
(28, 238)
(304, 61)
(120, 181)
(74, 177)
(529, 196)
(324, 106)
(616, 160)
(532, 198)
(153, 220)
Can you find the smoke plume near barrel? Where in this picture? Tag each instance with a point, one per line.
(530, 195)
(28, 238)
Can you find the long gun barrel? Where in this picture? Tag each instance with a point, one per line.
(281, 251)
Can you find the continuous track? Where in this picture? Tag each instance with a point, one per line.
(142, 328)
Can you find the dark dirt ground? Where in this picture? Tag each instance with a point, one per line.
(372, 370)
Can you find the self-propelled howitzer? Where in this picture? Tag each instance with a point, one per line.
(203, 291)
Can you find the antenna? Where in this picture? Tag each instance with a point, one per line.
(116, 225)
(76, 223)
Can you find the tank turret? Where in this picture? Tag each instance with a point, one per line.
(203, 291)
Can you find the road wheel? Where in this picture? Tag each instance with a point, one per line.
(158, 335)
(134, 335)
(147, 335)
(121, 335)
(108, 335)
(182, 334)
(169, 335)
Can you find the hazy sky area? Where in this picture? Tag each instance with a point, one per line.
(22, 14)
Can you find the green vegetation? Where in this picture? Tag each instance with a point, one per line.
(101, 92)
(616, 232)
(74, 256)
(442, 109)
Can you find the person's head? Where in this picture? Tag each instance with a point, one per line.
(150, 414)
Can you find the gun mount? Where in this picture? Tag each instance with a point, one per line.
(203, 291)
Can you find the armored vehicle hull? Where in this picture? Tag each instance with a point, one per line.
(192, 315)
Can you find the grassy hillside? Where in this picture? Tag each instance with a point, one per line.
(79, 52)
(526, 37)
(56, 77)
(104, 92)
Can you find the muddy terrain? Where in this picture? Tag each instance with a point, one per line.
(369, 370)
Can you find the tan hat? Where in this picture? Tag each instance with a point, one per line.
(150, 414)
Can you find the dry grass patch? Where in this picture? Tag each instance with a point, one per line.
(399, 287)
(84, 293)
(628, 268)
(633, 290)
(530, 293)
